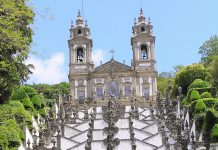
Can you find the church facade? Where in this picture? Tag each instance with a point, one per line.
(87, 81)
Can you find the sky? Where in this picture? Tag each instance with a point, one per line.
(180, 28)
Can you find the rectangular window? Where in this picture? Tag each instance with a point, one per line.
(127, 90)
(127, 79)
(81, 96)
(99, 91)
(146, 93)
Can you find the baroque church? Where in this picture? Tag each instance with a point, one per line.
(114, 106)
(140, 77)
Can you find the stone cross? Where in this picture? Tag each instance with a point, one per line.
(112, 53)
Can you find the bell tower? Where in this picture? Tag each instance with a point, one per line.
(80, 50)
(142, 42)
(143, 47)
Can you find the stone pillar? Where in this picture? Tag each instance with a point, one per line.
(58, 140)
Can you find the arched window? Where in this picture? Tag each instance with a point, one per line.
(80, 55)
(79, 31)
(142, 29)
(144, 52)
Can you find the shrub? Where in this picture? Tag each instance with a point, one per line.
(18, 94)
(42, 112)
(200, 106)
(29, 91)
(21, 115)
(198, 83)
(50, 102)
(194, 95)
(27, 103)
(188, 74)
(192, 107)
(42, 99)
(12, 124)
(209, 122)
(202, 90)
(206, 95)
(35, 113)
(216, 106)
(36, 101)
(210, 102)
(185, 102)
(214, 136)
(10, 130)
(199, 120)
(3, 139)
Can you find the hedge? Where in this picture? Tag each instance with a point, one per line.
(211, 90)
(36, 102)
(27, 103)
(198, 83)
(209, 122)
(187, 75)
(29, 91)
(214, 136)
(199, 120)
(42, 112)
(12, 134)
(200, 106)
(192, 107)
(216, 106)
(185, 102)
(206, 95)
(18, 94)
(3, 139)
(194, 96)
(210, 102)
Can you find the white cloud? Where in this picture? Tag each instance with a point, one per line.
(49, 71)
(98, 56)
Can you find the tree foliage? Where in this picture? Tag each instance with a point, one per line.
(18, 93)
(214, 136)
(51, 91)
(209, 49)
(213, 69)
(200, 106)
(162, 85)
(188, 74)
(194, 96)
(15, 40)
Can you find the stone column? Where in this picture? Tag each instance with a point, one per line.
(58, 140)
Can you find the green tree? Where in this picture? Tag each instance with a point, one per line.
(15, 40)
(213, 69)
(209, 50)
(188, 74)
(162, 85)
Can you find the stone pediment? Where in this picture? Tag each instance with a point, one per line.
(113, 66)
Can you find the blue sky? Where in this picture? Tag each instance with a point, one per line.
(180, 28)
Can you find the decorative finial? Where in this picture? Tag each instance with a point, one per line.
(28, 143)
(141, 11)
(72, 23)
(79, 13)
(86, 24)
(149, 19)
(135, 21)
